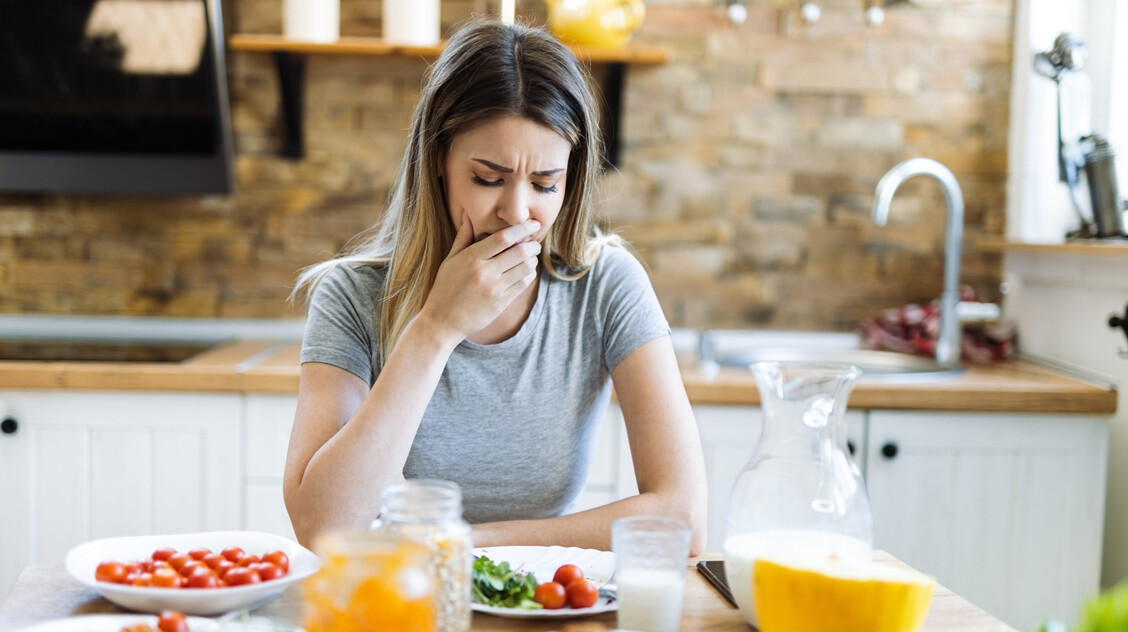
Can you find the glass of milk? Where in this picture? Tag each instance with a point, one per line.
(651, 557)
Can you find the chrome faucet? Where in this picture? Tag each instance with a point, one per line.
(948, 346)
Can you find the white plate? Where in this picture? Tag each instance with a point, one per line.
(542, 562)
(82, 561)
(115, 622)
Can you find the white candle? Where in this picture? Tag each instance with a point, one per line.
(508, 11)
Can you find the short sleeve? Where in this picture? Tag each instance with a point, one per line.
(341, 324)
(631, 313)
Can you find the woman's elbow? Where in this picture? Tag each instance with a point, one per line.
(691, 507)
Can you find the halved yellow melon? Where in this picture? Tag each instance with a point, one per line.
(800, 593)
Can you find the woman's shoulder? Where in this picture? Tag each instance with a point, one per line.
(616, 261)
(353, 278)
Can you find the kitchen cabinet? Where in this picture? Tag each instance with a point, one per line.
(1005, 510)
(269, 418)
(86, 465)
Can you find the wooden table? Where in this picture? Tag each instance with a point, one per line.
(47, 592)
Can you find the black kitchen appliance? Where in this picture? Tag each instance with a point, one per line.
(105, 96)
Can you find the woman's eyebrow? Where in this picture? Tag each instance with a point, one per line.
(500, 169)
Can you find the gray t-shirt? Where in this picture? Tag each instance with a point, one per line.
(512, 423)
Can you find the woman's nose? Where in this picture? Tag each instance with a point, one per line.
(513, 207)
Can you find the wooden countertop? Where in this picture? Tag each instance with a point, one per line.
(43, 593)
(272, 367)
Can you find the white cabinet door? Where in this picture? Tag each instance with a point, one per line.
(1005, 510)
(269, 421)
(729, 435)
(88, 465)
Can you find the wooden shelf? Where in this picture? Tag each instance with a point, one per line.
(289, 57)
(1092, 247)
(636, 56)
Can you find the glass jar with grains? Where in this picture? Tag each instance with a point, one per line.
(430, 511)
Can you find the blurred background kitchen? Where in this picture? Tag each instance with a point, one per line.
(745, 176)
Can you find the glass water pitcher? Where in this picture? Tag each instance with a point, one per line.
(800, 490)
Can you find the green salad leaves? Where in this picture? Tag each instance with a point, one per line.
(499, 585)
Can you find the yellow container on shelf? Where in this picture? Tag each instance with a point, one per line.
(596, 23)
(370, 582)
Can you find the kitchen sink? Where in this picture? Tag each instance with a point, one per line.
(875, 365)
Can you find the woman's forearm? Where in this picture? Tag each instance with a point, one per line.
(592, 528)
(340, 484)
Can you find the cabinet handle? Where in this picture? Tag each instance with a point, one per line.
(889, 450)
(9, 425)
(852, 448)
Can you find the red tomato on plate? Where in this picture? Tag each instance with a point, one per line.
(111, 572)
(172, 621)
(279, 559)
(550, 595)
(581, 594)
(565, 574)
(241, 575)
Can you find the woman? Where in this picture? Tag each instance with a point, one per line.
(472, 335)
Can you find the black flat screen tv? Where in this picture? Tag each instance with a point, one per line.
(114, 96)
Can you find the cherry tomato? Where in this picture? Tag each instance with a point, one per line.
(550, 595)
(581, 594)
(248, 559)
(199, 553)
(142, 579)
(137, 627)
(156, 566)
(268, 571)
(203, 577)
(179, 560)
(167, 578)
(131, 568)
(172, 621)
(146, 565)
(241, 575)
(190, 566)
(213, 560)
(162, 554)
(233, 553)
(279, 559)
(222, 567)
(112, 572)
(565, 574)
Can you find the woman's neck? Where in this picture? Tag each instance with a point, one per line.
(509, 321)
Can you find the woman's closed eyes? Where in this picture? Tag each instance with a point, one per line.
(540, 188)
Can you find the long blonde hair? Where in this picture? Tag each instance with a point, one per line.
(488, 70)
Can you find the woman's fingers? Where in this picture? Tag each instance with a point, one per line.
(498, 242)
(463, 238)
(517, 262)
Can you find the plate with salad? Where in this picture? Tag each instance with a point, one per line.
(541, 582)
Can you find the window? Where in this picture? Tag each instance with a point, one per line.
(1038, 204)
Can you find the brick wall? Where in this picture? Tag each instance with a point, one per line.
(745, 180)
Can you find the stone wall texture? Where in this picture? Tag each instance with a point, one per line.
(745, 180)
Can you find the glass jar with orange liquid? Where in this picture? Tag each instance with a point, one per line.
(370, 582)
(430, 511)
